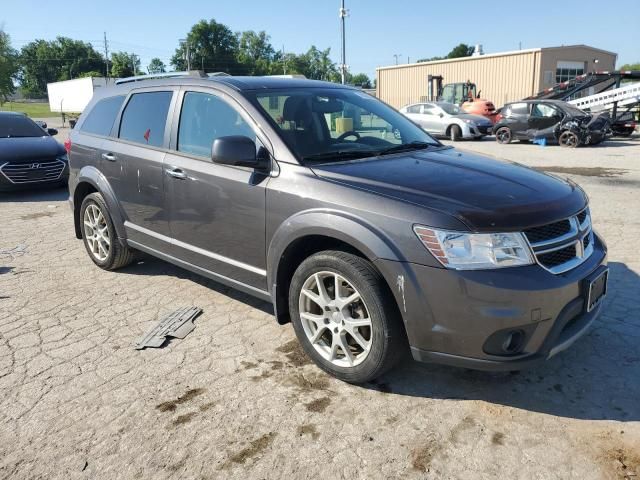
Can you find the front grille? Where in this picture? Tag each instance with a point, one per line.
(548, 232)
(36, 171)
(563, 245)
(557, 257)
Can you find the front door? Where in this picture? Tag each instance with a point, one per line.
(133, 161)
(216, 212)
(543, 119)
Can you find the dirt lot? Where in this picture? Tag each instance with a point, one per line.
(238, 399)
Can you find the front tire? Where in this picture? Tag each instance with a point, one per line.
(99, 235)
(568, 139)
(455, 133)
(345, 317)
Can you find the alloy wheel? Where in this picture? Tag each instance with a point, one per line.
(335, 319)
(96, 232)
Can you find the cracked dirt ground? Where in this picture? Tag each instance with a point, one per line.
(237, 398)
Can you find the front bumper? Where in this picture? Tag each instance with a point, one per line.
(454, 317)
(476, 131)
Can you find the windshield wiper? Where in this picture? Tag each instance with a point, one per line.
(405, 147)
(340, 155)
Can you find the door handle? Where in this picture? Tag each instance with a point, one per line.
(176, 173)
(109, 156)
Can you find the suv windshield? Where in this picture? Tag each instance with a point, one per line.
(13, 126)
(450, 108)
(332, 124)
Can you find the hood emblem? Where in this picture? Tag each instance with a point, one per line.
(35, 165)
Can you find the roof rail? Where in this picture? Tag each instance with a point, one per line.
(153, 76)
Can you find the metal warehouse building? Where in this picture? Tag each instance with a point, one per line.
(500, 77)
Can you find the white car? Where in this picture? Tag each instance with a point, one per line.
(444, 119)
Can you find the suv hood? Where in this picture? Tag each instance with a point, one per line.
(26, 149)
(484, 193)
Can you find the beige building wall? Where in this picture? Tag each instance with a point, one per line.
(500, 77)
(606, 61)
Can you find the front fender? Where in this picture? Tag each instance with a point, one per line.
(91, 175)
(353, 230)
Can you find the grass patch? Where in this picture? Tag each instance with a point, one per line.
(33, 110)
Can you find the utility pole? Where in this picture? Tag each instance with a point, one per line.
(343, 67)
(187, 53)
(133, 64)
(396, 56)
(106, 56)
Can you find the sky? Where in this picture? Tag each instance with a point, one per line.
(376, 29)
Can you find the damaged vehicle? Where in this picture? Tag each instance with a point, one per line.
(551, 121)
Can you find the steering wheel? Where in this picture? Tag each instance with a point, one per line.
(348, 134)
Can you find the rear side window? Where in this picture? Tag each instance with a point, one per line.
(204, 118)
(518, 109)
(145, 117)
(101, 117)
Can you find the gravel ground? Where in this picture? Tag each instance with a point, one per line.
(238, 399)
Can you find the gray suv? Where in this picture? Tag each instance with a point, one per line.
(364, 232)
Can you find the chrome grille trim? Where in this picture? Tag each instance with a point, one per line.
(575, 237)
(17, 173)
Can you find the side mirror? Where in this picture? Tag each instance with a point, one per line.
(52, 131)
(236, 150)
(441, 115)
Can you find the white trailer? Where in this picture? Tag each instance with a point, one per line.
(71, 96)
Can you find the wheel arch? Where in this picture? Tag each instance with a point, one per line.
(311, 232)
(91, 180)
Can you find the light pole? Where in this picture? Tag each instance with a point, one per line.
(343, 67)
(187, 55)
(396, 56)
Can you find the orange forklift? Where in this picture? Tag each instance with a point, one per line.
(463, 94)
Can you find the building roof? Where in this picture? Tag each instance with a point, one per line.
(498, 54)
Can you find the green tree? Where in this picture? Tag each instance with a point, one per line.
(93, 73)
(156, 66)
(124, 64)
(461, 50)
(630, 66)
(255, 52)
(212, 46)
(42, 62)
(361, 80)
(8, 67)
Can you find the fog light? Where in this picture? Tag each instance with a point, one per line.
(513, 342)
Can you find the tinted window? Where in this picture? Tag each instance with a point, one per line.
(145, 117)
(101, 117)
(204, 118)
(518, 109)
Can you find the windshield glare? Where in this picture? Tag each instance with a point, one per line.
(450, 108)
(332, 124)
(12, 126)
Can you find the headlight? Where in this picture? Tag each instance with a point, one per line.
(474, 251)
(470, 122)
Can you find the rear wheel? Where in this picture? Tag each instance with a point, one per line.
(344, 316)
(455, 133)
(503, 135)
(99, 235)
(568, 139)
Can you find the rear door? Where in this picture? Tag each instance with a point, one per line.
(216, 212)
(132, 160)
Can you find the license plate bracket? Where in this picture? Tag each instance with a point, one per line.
(596, 288)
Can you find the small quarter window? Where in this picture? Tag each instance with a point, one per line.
(145, 117)
(100, 119)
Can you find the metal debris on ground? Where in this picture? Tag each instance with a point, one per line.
(177, 324)
(14, 252)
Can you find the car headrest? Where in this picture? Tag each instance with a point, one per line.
(296, 108)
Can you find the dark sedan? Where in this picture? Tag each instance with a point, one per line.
(29, 156)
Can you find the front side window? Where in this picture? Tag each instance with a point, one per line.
(100, 119)
(145, 117)
(335, 123)
(205, 117)
(413, 109)
(542, 110)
